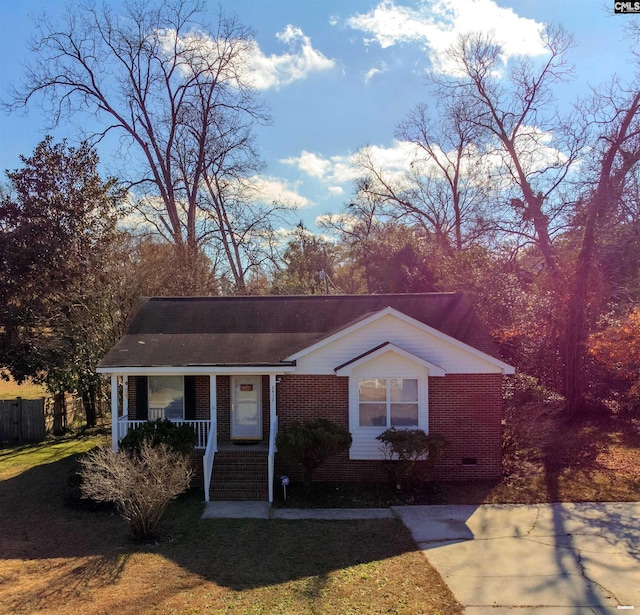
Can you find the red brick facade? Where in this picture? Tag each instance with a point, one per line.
(465, 408)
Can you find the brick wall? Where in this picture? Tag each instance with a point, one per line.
(223, 397)
(465, 408)
(203, 397)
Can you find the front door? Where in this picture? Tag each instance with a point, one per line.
(246, 408)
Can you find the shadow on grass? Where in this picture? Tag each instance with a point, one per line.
(236, 554)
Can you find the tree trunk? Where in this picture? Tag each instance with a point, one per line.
(59, 414)
(89, 403)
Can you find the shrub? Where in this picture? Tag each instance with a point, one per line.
(179, 437)
(410, 454)
(140, 483)
(312, 443)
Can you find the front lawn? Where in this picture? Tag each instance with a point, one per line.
(60, 559)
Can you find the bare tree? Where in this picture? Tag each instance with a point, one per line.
(421, 196)
(515, 114)
(173, 88)
(240, 226)
(613, 118)
(450, 177)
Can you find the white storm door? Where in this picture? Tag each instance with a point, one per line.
(246, 408)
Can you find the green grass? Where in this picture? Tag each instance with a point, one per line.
(59, 559)
(17, 459)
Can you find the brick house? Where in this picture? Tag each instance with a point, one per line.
(236, 368)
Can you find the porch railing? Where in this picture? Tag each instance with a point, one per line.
(272, 451)
(207, 460)
(201, 428)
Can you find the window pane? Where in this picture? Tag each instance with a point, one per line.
(373, 389)
(404, 389)
(166, 397)
(404, 415)
(373, 415)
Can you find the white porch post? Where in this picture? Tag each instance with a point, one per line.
(212, 443)
(272, 435)
(114, 412)
(213, 403)
(272, 398)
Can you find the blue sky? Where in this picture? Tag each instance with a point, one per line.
(339, 75)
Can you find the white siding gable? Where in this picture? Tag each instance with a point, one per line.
(389, 364)
(412, 336)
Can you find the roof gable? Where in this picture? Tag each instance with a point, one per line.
(378, 326)
(346, 368)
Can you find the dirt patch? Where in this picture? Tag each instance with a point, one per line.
(550, 457)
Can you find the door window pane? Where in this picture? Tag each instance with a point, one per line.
(166, 397)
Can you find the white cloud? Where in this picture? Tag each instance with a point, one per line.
(436, 24)
(396, 158)
(269, 189)
(333, 170)
(343, 169)
(312, 164)
(375, 71)
(340, 170)
(262, 71)
(275, 71)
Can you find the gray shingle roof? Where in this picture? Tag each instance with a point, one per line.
(265, 330)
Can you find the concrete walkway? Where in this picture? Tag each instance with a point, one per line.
(544, 559)
(263, 510)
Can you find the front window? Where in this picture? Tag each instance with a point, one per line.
(166, 397)
(388, 402)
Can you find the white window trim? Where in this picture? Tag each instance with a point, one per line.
(365, 446)
(388, 402)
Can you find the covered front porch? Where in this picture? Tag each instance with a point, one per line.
(227, 409)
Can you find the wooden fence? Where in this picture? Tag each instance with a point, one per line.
(22, 420)
(28, 420)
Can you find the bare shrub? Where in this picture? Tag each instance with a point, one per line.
(140, 484)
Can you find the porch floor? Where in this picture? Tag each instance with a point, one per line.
(233, 446)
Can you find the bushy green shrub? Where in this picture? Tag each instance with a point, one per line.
(179, 437)
(411, 455)
(312, 443)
